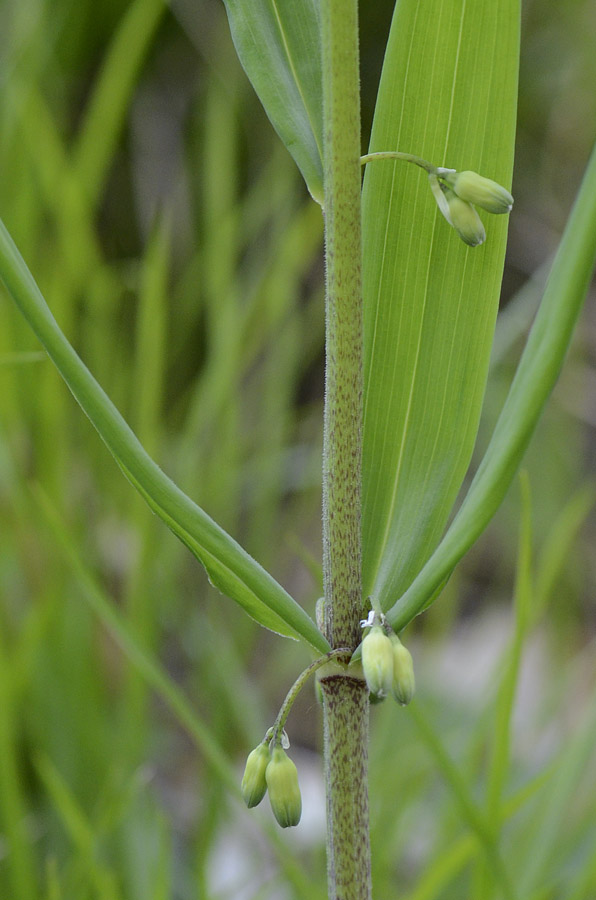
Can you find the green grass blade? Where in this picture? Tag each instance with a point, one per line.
(446, 867)
(109, 101)
(456, 855)
(510, 667)
(544, 838)
(75, 822)
(447, 94)
(278, 43)
(559, 544)
(143, 660)
(151, 335)
(534, 380)
(229, 566)
(22, 359)
(470, 812)
(19, 862)
(508, 673)
(54, 889)
(160, 680)
(79, 828)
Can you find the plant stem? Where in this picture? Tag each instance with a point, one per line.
(284, 712)
(342, 450)
(345, 697)
(397, 154)
(345, 703)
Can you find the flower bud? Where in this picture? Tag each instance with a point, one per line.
(377, 662)
(254, 784)
(465, 220)
(404, 684)
(486, 194)
(284, 791)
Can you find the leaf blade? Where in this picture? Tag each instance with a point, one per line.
(534, 379)
(447, 94)
(278, 44)
(104, 115)
(228, 565)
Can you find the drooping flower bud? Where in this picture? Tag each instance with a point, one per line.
(254, 785)
(465, 220)
(284, 792)
(404, 683)
(377, 662)
(459, 213)
(486, 194)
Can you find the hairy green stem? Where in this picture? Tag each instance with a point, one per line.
(342, 452)
(345, 697)
(346, 706)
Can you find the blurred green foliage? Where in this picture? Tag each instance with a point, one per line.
(181, 254)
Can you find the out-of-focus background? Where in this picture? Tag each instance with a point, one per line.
(176, 245)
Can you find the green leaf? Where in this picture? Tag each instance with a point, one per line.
(228, 565)
(447, 94)
(478, 822)
(567, 790)
(534, 380)
(278, 44)
(141, 658)
(105, 112)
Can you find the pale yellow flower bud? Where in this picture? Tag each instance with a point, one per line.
(460, 214)
(465, 220)
(284, 791)
(254, 784)
(404, 683)
(377, 662)
(483, 192)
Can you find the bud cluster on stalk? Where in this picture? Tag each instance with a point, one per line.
(269, 768)
(386, 663)
(457, 195)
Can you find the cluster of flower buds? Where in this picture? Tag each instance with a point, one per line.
(458, 193)
(386, 663)
(271, 769)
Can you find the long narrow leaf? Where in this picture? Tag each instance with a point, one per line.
(228, 565)
(278, 44)
(470, 811)
(534, 380)
(157, 677)
(447, 94)
(109, 101)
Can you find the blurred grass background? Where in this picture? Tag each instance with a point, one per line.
(180, 253)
